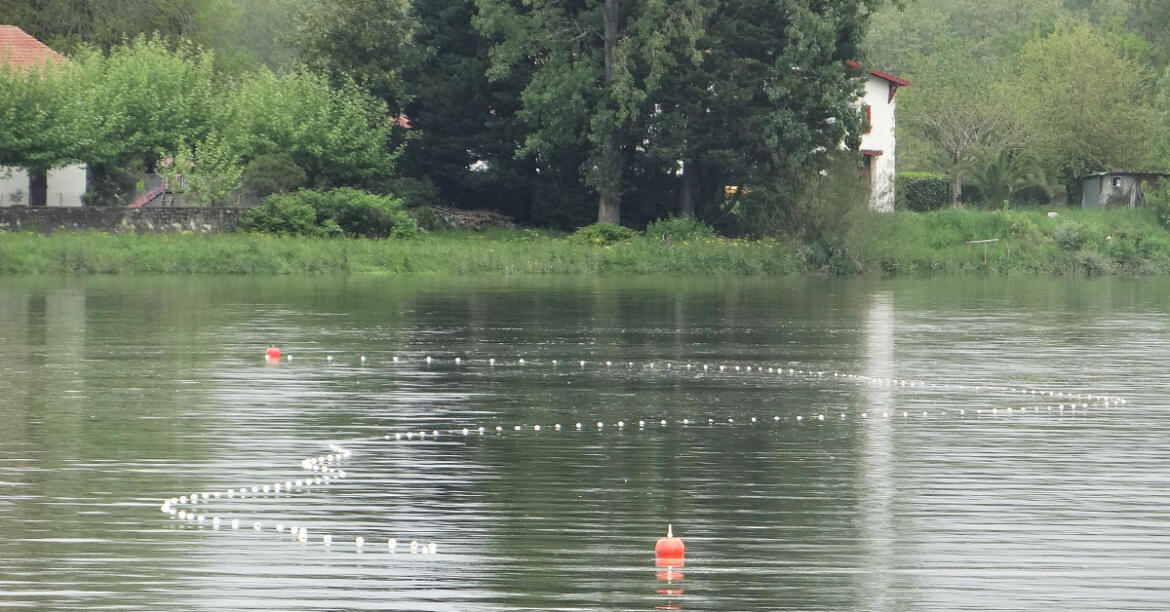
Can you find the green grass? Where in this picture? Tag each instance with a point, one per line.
(1075, 243)
(521, 252)
(1124, 241)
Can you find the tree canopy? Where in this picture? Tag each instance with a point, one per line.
(560, 113)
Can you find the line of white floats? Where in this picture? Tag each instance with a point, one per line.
(327, 467)
(747, 369)
(642, 424)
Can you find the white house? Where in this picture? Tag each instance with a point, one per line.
(877, 143)
(62, 186)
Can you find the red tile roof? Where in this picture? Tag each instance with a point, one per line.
(19, 50)
(881, 75)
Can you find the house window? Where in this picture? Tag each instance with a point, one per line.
(867, 117)
(1116, 181)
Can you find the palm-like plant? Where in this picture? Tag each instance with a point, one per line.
(1002, 174)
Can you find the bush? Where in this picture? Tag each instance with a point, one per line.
(922, 191)
(355, 213)
(678, 228)
(282, 216)
(602, 233)
(1070, 235)
(1159, 201)
(272, 173)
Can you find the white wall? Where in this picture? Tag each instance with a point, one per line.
(66, 186)
(13, 186)
(880, 138)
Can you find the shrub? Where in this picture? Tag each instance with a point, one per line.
(282, 216)
(272, 173)
(602, 233)
(355, 213)
(1159, 201)
(678, 228)
(1070, 235)
(922, 191)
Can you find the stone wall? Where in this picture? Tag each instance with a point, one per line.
(116, 219)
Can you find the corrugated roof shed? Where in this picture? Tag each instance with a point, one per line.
(19, 50)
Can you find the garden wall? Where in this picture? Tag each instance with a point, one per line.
(117, 219)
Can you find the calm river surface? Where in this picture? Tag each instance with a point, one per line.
(942, 493)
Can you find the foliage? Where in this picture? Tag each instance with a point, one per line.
(600, 69)
(1124, 241)
(210, 171)
(336, 134)
(143, 99)
(729, 130)
(39, 117)
(461, 120)
(1159, 201)
(350, 211)
(1070, 235)
(1087, 101)
(1001, 175)
(950, 128)
(271, 173)
(120, 113)
(674, 229)
(900, 37)
(710, 84)
(369, 41)
(244, 34)
(1121, 241)
(280, 216)
(922, 191)
(602, 233)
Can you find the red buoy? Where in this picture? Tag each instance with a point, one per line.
(272, 353)
(668, 551)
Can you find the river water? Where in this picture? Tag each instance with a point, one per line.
(944, 444)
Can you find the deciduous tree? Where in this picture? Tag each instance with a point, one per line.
(1087, 101)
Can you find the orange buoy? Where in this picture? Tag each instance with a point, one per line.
(272, 353)
(668, 551)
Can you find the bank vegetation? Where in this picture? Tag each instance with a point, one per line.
(1074, 242)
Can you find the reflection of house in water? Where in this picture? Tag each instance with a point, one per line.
(877, 488)
(47, 326)
(1117, 188)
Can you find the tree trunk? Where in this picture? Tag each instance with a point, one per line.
(609, 209)
(956, 190)
(609, 204)
(686, 193)
(610, 21)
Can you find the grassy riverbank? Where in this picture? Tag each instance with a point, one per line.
(456, 253)
(1076, 242)
(1122, 241)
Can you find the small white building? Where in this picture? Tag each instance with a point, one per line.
(878, 143)
(61, 186)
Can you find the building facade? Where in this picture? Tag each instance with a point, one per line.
(878, 144)
(62, 186)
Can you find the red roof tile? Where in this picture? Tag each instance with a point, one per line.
(19, 50)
